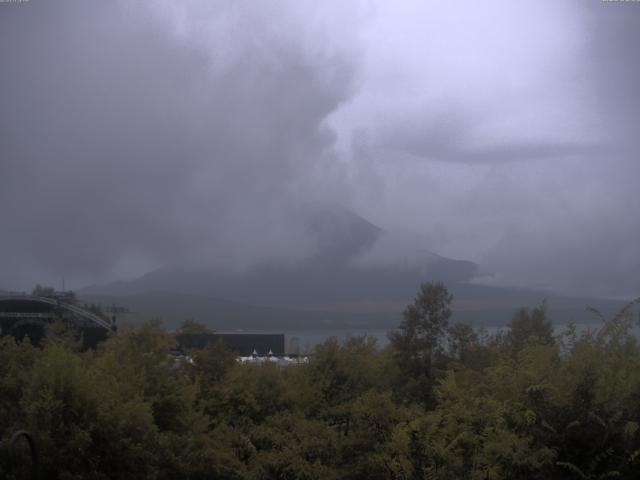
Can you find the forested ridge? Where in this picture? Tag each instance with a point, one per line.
(442, 401)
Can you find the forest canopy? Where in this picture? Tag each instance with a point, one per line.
(441, 401)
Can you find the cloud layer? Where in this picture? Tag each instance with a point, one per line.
(134, 136)
(139, 135)
(507, 134)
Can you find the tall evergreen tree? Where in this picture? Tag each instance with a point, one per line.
(419, 338)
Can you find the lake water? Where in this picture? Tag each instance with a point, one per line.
(307, 339)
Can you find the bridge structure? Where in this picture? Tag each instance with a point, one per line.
(32, 315)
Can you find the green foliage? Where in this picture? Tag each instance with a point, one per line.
(341, 372)
(521, 406)
(418, 340)
(425, 322)
(463, 343)
(530, 327)
(192, 326)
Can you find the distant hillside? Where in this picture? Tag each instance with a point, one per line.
(479, 306)
(353, 261)
(307, 284)
(172, 308)
(359, 275)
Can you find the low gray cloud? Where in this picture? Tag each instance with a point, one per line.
(449, 136)
(127, 143)
(521, 157)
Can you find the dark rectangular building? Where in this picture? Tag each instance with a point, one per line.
(242, 344)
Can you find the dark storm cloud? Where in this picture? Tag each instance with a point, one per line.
(126, 144)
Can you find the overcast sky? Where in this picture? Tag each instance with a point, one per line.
(140, 134)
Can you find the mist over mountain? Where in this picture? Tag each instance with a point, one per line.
(352, 260)
(359, 276)
(182, 139)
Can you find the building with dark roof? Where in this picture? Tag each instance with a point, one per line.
(243, 344)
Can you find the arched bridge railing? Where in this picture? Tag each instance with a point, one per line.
(81, 312)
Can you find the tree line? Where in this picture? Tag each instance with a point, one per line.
(441, 401)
